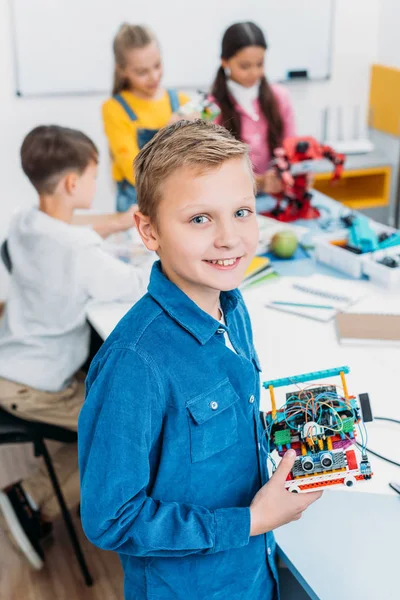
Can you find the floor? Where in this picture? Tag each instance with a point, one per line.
(61, 578)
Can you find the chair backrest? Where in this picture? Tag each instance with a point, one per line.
(16, 430)
(5, 256)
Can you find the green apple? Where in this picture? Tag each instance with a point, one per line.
(283, 244)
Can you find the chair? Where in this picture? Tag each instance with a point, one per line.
(5, 256)
(14, 430)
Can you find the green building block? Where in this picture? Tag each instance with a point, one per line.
(282, 437)
(348, 424)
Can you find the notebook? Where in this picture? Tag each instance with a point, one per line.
(374, 320)
(258, 263)
(326, 296)
(367, 328)
(258, 272)
(265, 276)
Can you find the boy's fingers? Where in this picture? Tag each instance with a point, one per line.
(305, 500)
(284, 467)
(312, 497)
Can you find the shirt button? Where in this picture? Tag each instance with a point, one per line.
(269, 551)
(220, 330)
(214, 405)
(251, 399)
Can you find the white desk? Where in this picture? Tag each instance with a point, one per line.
(288, 344)
(345, 547)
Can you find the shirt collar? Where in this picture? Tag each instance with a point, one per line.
(183, 310)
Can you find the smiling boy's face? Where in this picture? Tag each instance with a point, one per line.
(207, 231)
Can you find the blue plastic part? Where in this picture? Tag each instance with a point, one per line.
(362, 236)
(306, 377)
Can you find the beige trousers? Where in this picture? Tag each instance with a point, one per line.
(58, 408)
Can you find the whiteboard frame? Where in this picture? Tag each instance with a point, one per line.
(183, 87)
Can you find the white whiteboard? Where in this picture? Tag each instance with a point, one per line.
(65, 46)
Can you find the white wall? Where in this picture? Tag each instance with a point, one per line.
(388, 41)
(354, 49)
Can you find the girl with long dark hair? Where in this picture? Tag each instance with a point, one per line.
(255, 111)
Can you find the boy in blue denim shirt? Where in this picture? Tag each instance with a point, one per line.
(172, 475)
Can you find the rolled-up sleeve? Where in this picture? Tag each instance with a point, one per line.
(121, 421)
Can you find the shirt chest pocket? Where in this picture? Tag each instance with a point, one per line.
(212, 418)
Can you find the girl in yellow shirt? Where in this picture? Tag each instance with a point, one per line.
(140, 106)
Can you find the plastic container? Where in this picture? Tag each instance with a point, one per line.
(341, 259)
(381, 274)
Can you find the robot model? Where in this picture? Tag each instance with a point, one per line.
(325, 426)
(293, 166)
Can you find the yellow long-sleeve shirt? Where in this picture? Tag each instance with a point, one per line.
(121, 131)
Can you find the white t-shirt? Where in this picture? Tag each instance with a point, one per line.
(228, 342)
(56, 269)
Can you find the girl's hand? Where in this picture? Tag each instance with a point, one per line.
(175, 117)
(273, 505)
(178, 117)
(272, 184)
(192, 116)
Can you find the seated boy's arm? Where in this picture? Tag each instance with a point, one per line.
(107, 279)
(106, 224)
(119, 424)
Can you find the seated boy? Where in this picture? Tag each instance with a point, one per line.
(172, 475)
(44, 337)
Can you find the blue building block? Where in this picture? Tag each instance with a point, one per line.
(362, 236)
(306, 377)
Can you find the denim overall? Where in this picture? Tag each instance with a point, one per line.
(126, 192)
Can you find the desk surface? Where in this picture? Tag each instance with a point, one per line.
(331, 531)
(329, 549)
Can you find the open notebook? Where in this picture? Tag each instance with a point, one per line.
(318, 297)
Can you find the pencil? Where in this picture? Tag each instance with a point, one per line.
(301, 305)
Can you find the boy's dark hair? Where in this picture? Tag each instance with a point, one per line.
(49, 151)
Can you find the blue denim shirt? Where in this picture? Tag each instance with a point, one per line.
(169, 451)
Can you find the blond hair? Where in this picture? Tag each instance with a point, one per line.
(127, 38)
(198, 145)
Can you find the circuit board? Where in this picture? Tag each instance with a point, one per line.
(324, 425)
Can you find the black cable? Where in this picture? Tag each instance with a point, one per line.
(389, 460)
(387, 419)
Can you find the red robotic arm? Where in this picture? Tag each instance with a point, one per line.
(294, 202)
